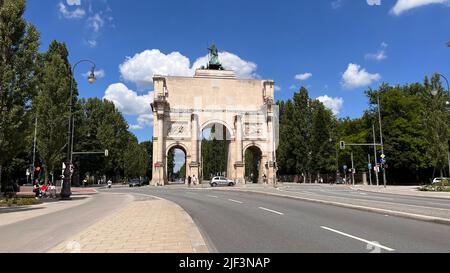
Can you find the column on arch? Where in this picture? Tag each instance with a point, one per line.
(239, 164)
(194, 165)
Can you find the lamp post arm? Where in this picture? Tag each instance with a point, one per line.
(446, 80)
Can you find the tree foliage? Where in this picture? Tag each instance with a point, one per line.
(19, 42)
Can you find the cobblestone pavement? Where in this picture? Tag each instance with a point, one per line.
(144, 226)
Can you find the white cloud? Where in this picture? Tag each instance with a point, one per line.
(130, 103)
(355, 77)
(78, 13)
(303, 77)
(73, 2)
(374, 2)
(380, 55)
(334, 104)
(91, 43)
(144, 120)
(404, 5)
(95, 22)
(336, 4)
(277, 88)
(292, 87)
(141, 68)
(98, 74)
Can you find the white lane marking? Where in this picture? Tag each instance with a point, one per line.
(274, 211)
(363, 193)
(235, 201)
(359, 239)
(213, 196)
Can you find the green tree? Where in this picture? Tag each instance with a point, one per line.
(51, 105)
(436, 124)
(100, 126)
(148, 146)
(135, 159)
(19, 42)
(321, 142)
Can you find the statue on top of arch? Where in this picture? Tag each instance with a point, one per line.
(214, 62)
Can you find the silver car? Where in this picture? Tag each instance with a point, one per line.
(221, 181)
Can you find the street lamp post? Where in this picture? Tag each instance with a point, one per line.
(67, 178)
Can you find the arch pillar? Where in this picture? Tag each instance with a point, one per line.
(194, 165)
(239, 165)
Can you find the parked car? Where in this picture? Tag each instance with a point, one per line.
(339, 180)
(135, 183)
(439, 180)
(221, 181)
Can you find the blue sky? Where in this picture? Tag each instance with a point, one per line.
(335, 48)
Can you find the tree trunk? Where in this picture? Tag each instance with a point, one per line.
(1, 173)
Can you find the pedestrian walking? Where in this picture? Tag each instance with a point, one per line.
(194, 180)
(52, 191)
(109, 183)
(189, 180)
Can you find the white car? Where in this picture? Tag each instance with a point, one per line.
(221, 181)
(439, 180)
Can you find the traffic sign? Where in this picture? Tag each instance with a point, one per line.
(383, 156)
(345, 167)
(369, 166)
(106, 153)
(382, 161)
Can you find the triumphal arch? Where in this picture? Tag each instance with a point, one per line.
(244, 109)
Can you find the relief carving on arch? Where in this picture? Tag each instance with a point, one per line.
(178, 129)
(253, 130)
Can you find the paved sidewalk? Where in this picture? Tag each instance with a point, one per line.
(144, 226)
(17, 214)
(402, 190)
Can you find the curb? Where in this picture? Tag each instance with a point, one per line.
(407, 215)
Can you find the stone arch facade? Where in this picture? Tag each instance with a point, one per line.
(184, 106)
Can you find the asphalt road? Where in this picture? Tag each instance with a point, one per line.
(39, 234)
(340, 191)
(249, 222)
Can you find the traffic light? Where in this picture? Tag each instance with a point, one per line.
(342, 145)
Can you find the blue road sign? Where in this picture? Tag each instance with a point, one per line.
(382, 161)
(345, 167)
(369, 166)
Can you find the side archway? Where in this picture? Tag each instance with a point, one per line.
(176, 163)
(253, 164)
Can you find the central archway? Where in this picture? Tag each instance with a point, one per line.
(176, 164)
(215, 150)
